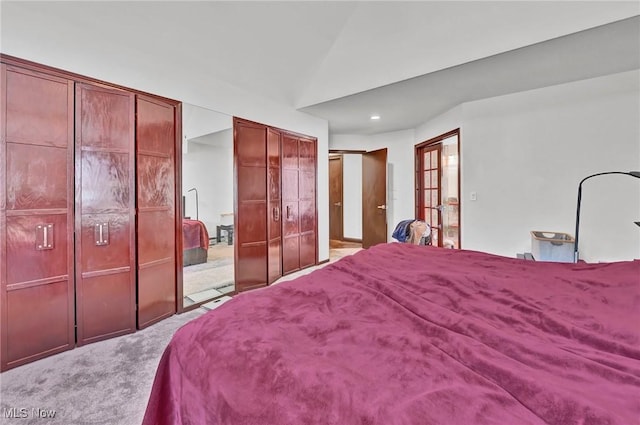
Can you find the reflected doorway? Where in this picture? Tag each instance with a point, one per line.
(207, 206)
(345, 198)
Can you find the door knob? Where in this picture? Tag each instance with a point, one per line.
(382, 207)
(338, 204)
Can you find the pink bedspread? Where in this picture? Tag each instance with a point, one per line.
(406, 334)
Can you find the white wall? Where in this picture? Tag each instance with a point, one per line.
(352, 195)
(204, 166)
(524, 155)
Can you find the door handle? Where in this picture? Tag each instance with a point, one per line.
(101, 233)
(338, 204)
(276, 213)
(288, 212)
(44, 236)
(382, 207)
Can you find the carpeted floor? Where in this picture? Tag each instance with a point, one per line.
(105, 383)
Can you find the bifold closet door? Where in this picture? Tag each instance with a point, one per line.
(274, 215)
(105, 219)
(155, 177)
(298, 203)
(307, 201)
(250, 152)
(36, 216)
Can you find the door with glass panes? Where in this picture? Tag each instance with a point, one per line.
(437, 188)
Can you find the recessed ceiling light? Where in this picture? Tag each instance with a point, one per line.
(375, 117)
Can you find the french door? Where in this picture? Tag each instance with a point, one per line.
(438, 189)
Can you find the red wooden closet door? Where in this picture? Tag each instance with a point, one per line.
(274, 216)
(250, 151)
(155, 182)
(290, 210)
(36, 216)
(307, 202)
(105, 238)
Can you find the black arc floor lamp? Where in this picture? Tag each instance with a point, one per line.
(629, 173)
(196, 190)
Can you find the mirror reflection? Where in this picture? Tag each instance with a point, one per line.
(207, 189)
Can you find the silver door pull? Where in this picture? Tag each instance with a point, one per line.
(382, 207)
(101, 233)
(44, 236)
(338, 204)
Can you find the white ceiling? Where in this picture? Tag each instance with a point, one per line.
(343, 61)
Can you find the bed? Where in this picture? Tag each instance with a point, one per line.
(408, 334)
(195, 242)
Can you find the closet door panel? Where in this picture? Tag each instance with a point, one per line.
(107, 301)
(29, 257)
(37, 108)
(307, 150)
(291, 254)
(158, 242)
(307, 185)
(307, 215)
(307, 249)
(33, 335)
(290, 220)
(290, 184)
(156, 135)
(36, 216)
(36, 177)
(157, 292)
(156, 181)
(254, 184)
(106, 177)
(105, 214)
(106, 118)
(254, 215)
(274, 212)
(111, 250)
(251, 237)
(289, 152)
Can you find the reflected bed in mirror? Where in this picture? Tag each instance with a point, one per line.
(207, 188)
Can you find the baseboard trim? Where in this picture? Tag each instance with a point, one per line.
(352, 240)
(322, 262)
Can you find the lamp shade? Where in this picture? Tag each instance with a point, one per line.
(627, 173)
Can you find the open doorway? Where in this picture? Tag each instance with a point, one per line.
(345, 199)
(357, 198)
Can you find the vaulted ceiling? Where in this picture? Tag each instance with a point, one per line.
(343, 61)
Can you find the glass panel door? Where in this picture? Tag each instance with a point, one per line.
(437, 191)
(430, 168)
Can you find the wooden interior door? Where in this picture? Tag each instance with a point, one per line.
(274, 199)
(155, 183)
(36, 216)
(105, 213)
(429, 198)
(251, 255)
(374, 197)
(336, 218)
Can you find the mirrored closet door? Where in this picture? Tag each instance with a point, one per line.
(207, 198)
